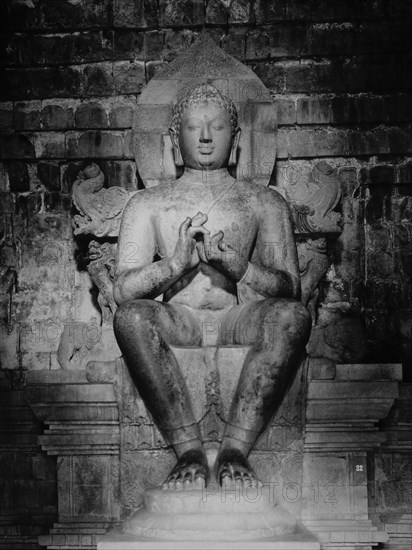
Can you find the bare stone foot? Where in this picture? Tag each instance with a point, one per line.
(190, 473)
(233, 470)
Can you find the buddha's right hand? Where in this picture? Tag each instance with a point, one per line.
(186, 255)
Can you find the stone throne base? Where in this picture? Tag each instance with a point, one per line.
(210, 518)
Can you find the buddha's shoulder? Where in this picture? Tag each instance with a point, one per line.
(261, 193)
(151, 195)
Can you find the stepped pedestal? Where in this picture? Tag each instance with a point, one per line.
(210, 518)
(317, 453)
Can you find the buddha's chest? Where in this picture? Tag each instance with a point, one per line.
(237, 221)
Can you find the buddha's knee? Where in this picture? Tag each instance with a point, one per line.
(289, 315)
(135, 314)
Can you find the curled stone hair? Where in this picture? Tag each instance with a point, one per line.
(197, 96)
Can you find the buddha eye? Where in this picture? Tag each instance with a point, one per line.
(218, 127)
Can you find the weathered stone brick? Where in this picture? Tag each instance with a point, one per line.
(296, 9)
(372, 9)
(27, 115)
(289, 40)
(401, 236)
(18, 176)
(367, 38)
(49, 175)
(154, 67)
(4, 178)
(6, 203)
(347, 10)
(69, 173)
(28, 204)
(282, 40)
(217, 13)
(63, 14)
(16, 146)
(124, 14)
(49, 145)
(91, 46)
(376, 74)
(21, 49)
(331, 39)
(381, 263)
(19, 16)
(257, 45)
(273, 75)
(401, 8)
(371, 108)
(32, 83)
(331, 142)
(368, 142)
(153, 44)
(129, 13)
(234, 43)
(405, 173)
(399, 209)
(384, 174)
(402, 107)
(301, 143)
(66, 48)
(269, 12)
(94, 144)
(240, 11)
(120, 173)
(286, 109)
(299, 77)
(129, 44)
(129, 77)
(400, 140)
(91, 115)
(98, 79)
(328, 76)
(349, 181)
(56, 202)
(181, 12)
(344, 110)
(176, 42)
(57, 115)
(6, 116)
(121, 114)
(313, 110)
(322, 10)
(128, 151)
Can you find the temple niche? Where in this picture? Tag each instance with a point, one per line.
(340, 423)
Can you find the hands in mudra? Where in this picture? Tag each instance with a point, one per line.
(195, 243)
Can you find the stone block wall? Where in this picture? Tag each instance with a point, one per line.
(72, 72)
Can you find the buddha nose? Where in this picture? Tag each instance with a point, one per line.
(205, 134)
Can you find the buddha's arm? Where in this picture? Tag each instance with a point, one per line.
(137, 275)
(273, 270)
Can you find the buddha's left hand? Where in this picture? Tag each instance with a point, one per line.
(219, 252)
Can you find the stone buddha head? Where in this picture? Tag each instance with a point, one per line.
(204, 129)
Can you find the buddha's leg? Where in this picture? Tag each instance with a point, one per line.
(145, 330)
(277, 331)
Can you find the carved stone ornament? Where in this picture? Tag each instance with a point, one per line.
(100, 209)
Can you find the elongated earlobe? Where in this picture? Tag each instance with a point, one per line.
(235, 145)
(176, 149)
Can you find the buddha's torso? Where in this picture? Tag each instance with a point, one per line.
(231, 208)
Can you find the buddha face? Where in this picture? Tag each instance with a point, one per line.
(205, 138)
